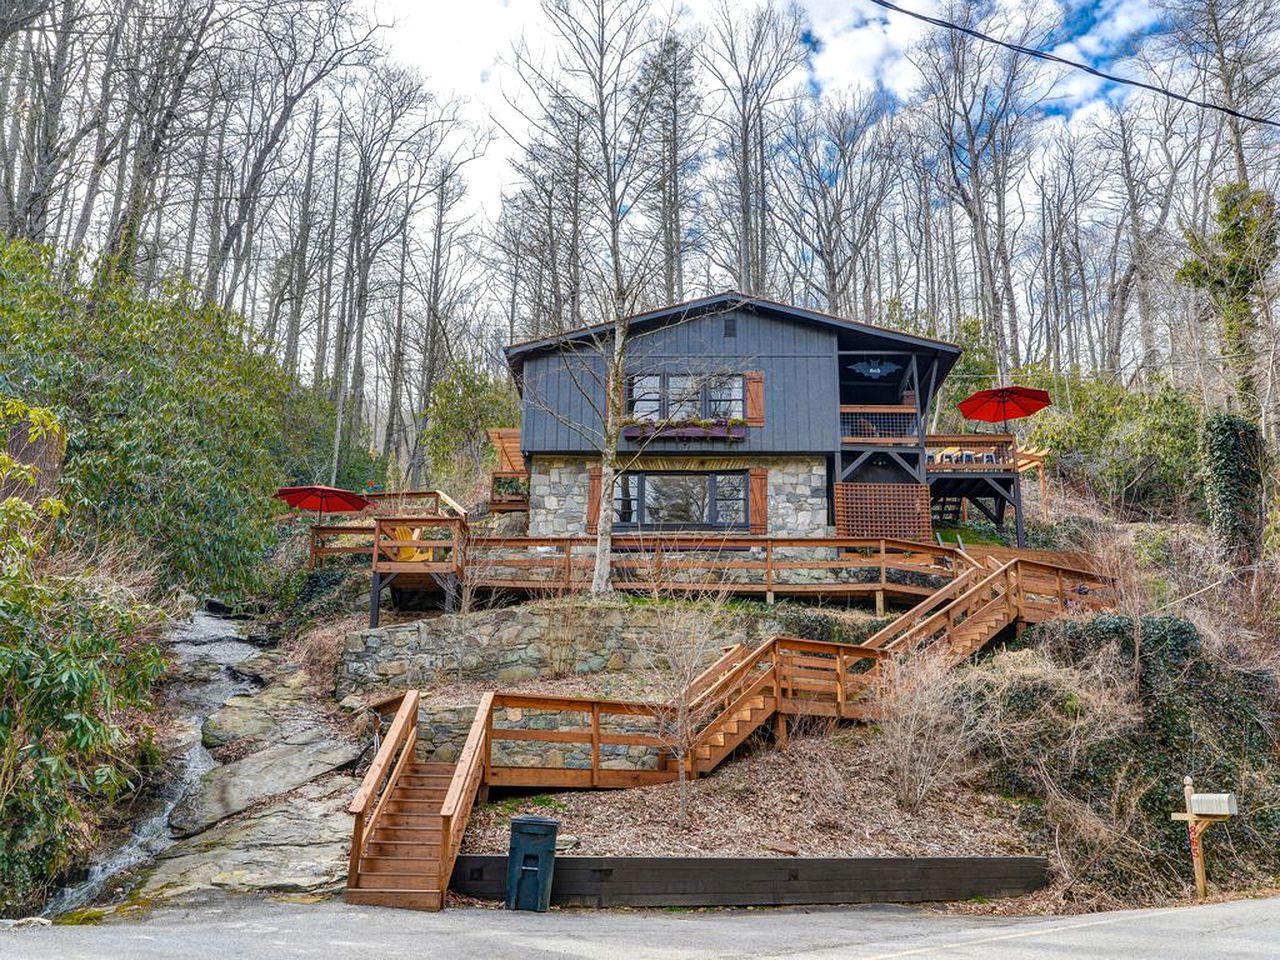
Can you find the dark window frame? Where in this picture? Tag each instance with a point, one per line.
(706, 403)
(639, 501)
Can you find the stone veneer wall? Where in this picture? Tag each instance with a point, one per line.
(797, 495)
(558, 496)
(550, 638)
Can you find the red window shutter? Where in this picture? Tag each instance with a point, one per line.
(753, 382)
(593, 500)
(758, 499)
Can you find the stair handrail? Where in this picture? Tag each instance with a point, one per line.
(445, 500)
(395, 753)
(749, 691)
(468, 775)
(912, 617)
(725, 687)
(706, 681)
(959, 604)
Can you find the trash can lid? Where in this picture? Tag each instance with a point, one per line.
(533, 820)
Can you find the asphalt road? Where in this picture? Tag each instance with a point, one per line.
(335, 931)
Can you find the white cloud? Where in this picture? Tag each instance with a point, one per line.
(465, 49)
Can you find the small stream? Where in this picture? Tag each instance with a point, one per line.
(204, 650)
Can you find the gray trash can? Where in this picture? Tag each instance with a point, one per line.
(530, 862)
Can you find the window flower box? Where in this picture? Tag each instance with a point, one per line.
(688, 430)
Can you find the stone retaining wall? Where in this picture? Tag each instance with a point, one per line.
(548, 638)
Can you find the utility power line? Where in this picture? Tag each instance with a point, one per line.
(1054, 58)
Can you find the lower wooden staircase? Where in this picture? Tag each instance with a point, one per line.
(401, 862)
(409, 817)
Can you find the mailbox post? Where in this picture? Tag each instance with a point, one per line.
(1203, 810)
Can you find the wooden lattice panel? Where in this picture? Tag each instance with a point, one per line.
(898, 510)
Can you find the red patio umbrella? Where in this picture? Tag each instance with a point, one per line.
(322, 499)
(1004, 404)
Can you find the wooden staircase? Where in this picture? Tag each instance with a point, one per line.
(410, 816)
(947, 511)
(401, 862)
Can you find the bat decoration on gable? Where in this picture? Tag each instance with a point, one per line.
(875, 369)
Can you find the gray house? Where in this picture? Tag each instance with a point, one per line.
(745, 415)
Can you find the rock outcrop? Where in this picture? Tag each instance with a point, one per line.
(297, 844)
(228, 789)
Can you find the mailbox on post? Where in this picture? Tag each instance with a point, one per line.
(1213, 804)
(1203, 810)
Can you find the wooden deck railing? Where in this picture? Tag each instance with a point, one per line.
(588, 734)
(395, 753)
(970, 452)
(691, 562)
(339, 539)
(409, 507)
(431, 502)
(419, 545)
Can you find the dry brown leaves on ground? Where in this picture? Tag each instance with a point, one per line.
(819, 796)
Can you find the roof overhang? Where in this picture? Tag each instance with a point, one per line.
(946, 353)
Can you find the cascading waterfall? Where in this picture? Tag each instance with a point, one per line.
(204, 651)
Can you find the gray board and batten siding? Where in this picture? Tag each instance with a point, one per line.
(796, 350)
(801, 384)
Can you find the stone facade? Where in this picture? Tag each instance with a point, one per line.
(798, 497)
(558, 496)
(797, 494)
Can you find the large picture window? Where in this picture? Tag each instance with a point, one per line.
(681, 501)
(677, 398)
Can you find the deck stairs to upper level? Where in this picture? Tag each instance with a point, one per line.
(409, 817)
(947, 511)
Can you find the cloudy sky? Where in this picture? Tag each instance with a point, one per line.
(464, 46)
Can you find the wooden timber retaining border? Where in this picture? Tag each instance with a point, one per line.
(761, 881)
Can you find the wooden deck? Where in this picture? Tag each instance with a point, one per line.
(441, 555)
(509, 484)
(409, 818)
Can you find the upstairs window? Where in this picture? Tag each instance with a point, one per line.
(725, 397)
(684, 398)
(675, 398)
(646, 397)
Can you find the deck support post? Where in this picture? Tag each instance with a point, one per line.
(375, 598)
(780, 729)
(1019, 525)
